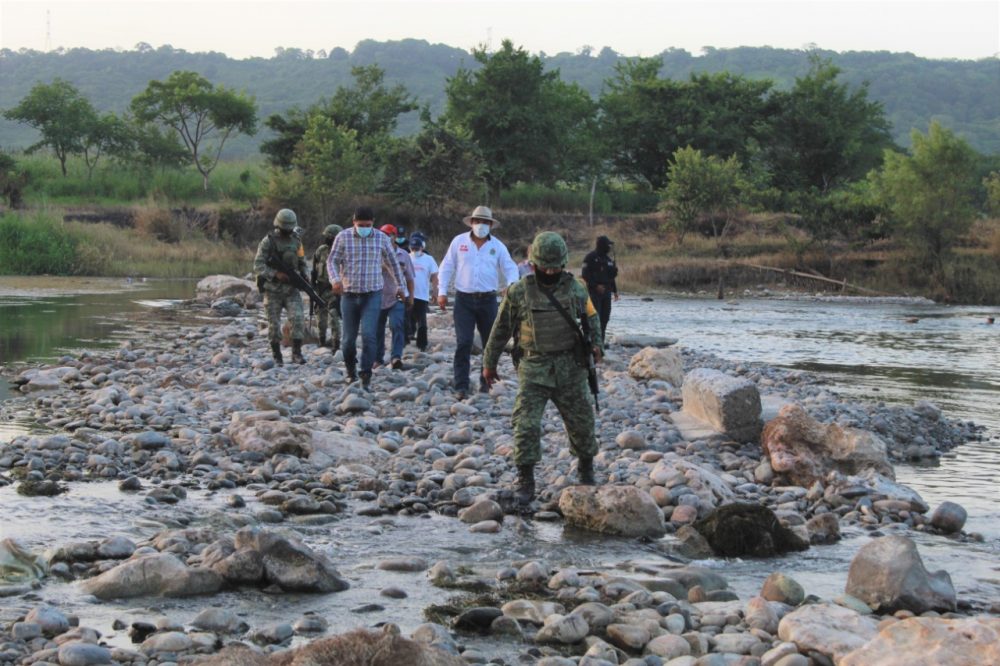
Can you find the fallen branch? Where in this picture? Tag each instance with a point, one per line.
(843, 284)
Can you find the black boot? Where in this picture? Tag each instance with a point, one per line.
(352, 371)
(297, 352)
(276, 353)
(524, 491)
(322, 338)
(585, 471)
(366, 381)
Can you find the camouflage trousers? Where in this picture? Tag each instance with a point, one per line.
(560, 379)
(287, 298)
(329, 315)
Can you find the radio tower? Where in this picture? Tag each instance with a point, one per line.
(48, 30)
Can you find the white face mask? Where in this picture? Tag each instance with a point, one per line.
(481, 230)
(419, 253)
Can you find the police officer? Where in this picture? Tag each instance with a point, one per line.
(277, 289)
(553, 365)
(321, 283)
(599, 272)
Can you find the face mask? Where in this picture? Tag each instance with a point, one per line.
(419, 253)
(364, 232)
(401, 242)
(481, 230)
(545, 279)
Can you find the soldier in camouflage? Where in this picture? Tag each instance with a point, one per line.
(321, 283)
(278, 292)
(552, 366)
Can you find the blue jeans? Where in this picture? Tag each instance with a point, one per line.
(471, 312)
(396, 318)
(359, 310)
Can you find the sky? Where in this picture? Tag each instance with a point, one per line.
(935, 29)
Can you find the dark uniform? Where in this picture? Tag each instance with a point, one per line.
(599, 272)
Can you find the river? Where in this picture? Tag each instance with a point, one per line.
(868, 351)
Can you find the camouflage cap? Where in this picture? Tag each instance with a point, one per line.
(285, 219)
(548, 250)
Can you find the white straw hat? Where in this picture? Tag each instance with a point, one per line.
(481, 213)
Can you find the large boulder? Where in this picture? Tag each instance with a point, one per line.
(929, 641)
(621, 510)
(729, 404)
(747, 530)
(18, 564)
(160, 574)
(827, 628)
(640, 340)
(289, 563)
(805, 450)
(266, 432)
(653, 363)
(216, 287)
(888, 575)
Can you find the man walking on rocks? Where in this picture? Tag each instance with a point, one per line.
(550, 312)
(321, 283)
(475, 261)
(276, 286)
(355, 270)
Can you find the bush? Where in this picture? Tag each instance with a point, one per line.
(36, 244)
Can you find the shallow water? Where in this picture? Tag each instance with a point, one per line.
(866, 351)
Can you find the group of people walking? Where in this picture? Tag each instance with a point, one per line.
(381, 277)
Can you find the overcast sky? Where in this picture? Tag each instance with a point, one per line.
(936, 29)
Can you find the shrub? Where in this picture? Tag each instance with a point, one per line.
(35, 244)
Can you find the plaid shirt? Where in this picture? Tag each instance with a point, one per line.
(357, 262)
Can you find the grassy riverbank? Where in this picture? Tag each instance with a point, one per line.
(41, 242)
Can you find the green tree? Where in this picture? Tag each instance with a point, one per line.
(930, 193)
(332, 163)
(522, 117)
(822, 134)
(60, 113)
(992, 185)
(104, 134)
(369, 107)
(202, 115)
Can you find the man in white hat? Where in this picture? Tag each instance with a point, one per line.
(474, 260)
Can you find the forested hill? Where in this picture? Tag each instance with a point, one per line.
(962, 95)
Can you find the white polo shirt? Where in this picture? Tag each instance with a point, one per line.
(476, 269)
(424, 267)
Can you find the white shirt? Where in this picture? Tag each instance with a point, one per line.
(424, 267)
(476, 269)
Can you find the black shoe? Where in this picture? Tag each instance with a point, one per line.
(352, 372)
(276, 353)
(524, 490)
(585, 471)
(397, 364)
(297, 352)
(366, 380)
(461, 394)
(322, 339)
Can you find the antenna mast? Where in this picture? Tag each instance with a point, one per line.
(48, 30)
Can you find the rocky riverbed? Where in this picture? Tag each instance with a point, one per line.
(235, 498)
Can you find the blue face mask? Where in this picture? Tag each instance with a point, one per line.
(364, 232)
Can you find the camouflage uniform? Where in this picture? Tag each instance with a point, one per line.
(278, 295)
(549, 369)
(321, 282)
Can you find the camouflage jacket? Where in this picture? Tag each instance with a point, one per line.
(290, 250)
(319, 274)
(515, 317)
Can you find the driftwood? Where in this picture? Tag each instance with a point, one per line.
(843, 284)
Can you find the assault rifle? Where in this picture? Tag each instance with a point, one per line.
(295, 278)
(582, 330)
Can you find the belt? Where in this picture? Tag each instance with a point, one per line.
(530, 353)
(477, 294)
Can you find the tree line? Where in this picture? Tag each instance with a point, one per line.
(707, 147)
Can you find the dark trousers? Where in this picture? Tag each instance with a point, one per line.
(360, 311)
(471, 313)
(417, 323)
(602, 302)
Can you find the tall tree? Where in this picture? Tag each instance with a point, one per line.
(60, 113)
(202, 115)
(332, 163)
(823, 134)
(104, 134)
(521, 116)
(930, 193)
(369, 107)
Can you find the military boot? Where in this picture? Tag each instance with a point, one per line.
(297, 356)
(276, 353)
(335, 343)
(585, 471)
(524, 491)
